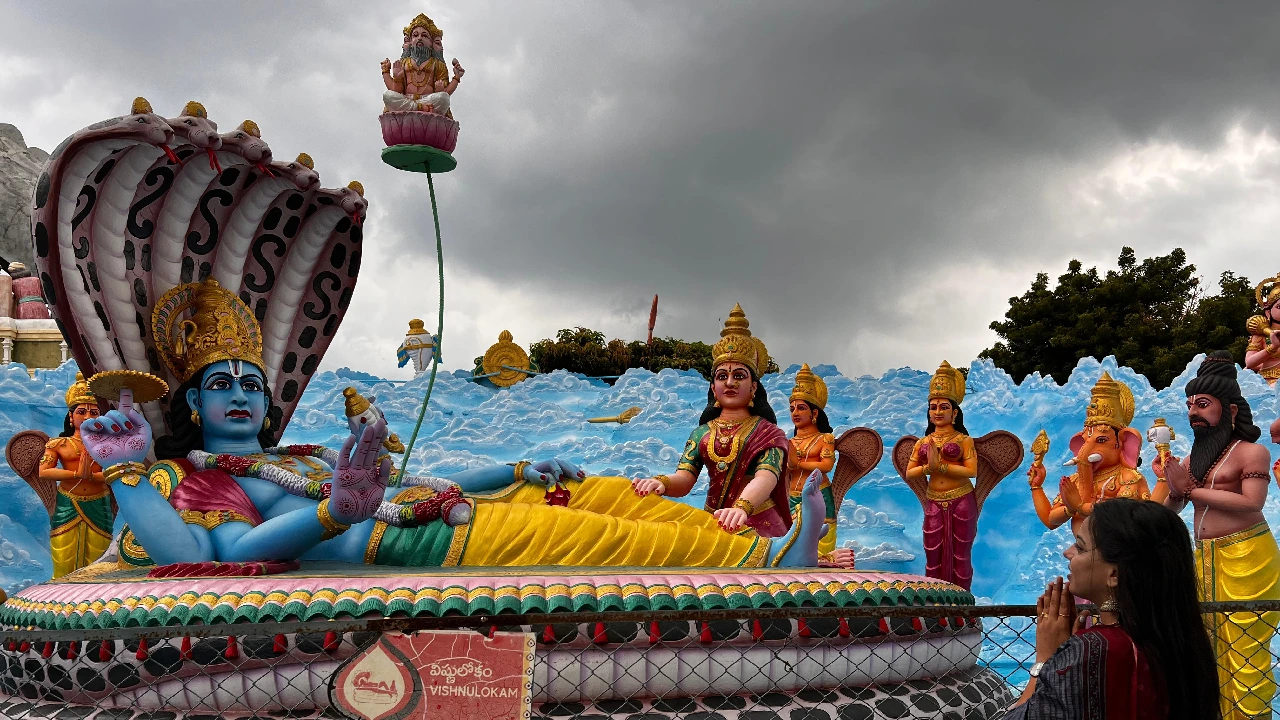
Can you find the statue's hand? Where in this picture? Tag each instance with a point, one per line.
(386, 65)
(458, 72)
(1036, 475)
(550, 472)
(1178, 477)
(648, 486)
(360, 479)
(931, 451)
(121, 435)
(731, 519)
(1070, 495)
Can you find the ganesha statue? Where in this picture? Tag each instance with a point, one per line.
(416, 103)
(1106, 455)
(1263, 352)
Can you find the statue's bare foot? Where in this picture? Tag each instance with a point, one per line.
(360, 479)
(813, 513)
(838, 558)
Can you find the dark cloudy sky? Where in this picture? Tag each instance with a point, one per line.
(871, 180)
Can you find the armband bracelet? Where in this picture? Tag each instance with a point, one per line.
(664, 479)
(746, 506)
(520, 466)
(332, 528)
(1255, 474)
(130, 473)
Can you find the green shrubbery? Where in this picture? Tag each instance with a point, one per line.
(583, 350)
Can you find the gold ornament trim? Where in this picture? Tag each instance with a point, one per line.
(1110, 403)
(79, 393)
(505, 353)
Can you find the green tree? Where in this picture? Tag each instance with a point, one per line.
(1153, 316)
(583, 350)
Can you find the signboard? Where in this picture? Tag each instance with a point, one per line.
(437, 675)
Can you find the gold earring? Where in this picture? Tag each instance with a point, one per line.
(751, 404)
(195, 417)
(266, 423)
(716, 404)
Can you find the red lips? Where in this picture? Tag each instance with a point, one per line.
(239, 414)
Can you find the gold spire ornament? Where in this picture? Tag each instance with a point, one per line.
(737, 345)
(140, 106)
(810, 388)
(417, 327)
(195, 109)
(356, 403)
(1110, 403)
(306, 161)
(79, 393)
(250, 127)
(220, 327)
(947, 384)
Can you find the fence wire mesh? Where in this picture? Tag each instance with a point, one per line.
(950, 663)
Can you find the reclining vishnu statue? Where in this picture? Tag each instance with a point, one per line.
(220, 492)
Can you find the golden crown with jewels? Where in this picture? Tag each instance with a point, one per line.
(947, 384)
(422, 21)
(810, 388)
(1110, 403)
(79, 393)
(220, 327)
(737, 345)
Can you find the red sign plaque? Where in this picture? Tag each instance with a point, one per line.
(434, 675)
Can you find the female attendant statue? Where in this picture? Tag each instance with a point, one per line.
(737, 441)
(80, 528)
(813, 448)
(940, 468)
(220, 492)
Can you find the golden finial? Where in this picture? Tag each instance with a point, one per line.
(355, 185)
(140, 106)
(506, 361)
(356, 403)
(305, 159)
(1110, 403)
(251, 127)
(810, 388)
(417, 327)
(194, 109)
(948, 383)
(1039, 448)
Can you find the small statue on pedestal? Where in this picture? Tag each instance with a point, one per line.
(1263, 353)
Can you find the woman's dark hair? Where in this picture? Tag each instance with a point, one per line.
(1159, 601)
(185, 436)
(67, 428)
(820, 418)
(958, 424)
(760, 408)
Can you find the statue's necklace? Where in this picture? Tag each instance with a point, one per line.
(737, 431)
(806, 443)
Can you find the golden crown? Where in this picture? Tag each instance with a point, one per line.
(947, 384)
(251, 127)
(423, 21)
(356, 403)
(305, 159)
(195, 109)
(810, 388)
(79, 393)
(1267, 292)
(417, 327)
(140, 106)
(737, 345)
(1110, 403)
(355, 185)
(220, 327)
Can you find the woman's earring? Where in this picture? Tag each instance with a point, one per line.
(1110, 605)
(751, 404)
(716, 404)
(266, 423)
(195, 417)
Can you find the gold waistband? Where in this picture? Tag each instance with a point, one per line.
(82, 498)
(1270, 373)
(1248, 533)
(950, 494)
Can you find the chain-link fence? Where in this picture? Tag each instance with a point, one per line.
(951, 663)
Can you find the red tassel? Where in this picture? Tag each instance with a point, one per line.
(757, 631)
(599, 637)
(185, 649)
(654, 636)
(47, 652)
(11, 646)
(944, 622)
(25, 646)
(917, 624)
(332, 641)
(142, 649)
(705, 635)
(279, 645)
(548, 634)
(232, 652)
(104, 652)
(73, 649)
(844, 628)
(493, 630)
(803, 628)
(884, 625)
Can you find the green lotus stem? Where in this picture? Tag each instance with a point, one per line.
(435, 355)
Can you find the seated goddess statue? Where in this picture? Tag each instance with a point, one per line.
(220, 492)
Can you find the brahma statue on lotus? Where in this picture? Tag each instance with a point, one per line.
(416, 102)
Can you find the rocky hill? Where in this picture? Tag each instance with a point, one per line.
(19, 168)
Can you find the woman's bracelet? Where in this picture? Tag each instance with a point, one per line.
(332, 528)
(130, 473)
(746, 506)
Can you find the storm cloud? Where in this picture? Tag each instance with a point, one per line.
(871, 181)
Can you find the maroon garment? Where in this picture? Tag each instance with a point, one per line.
(212, 491)
(28, 300)
(949, 530)
(774, 522)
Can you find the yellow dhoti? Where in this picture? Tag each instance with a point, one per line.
(80, 530)
(605, 524)
(1242, 566)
